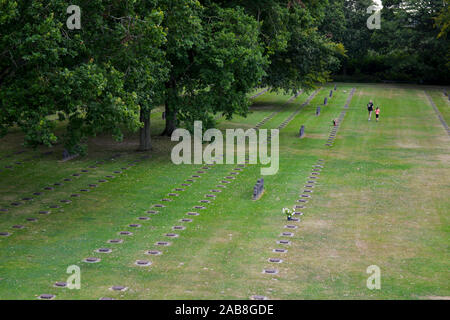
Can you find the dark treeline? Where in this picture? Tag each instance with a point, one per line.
(411, 44)
(196, 58)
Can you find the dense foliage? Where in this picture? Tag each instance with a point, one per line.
(411, 44)
(196, 57)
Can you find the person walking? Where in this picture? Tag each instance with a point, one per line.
(377, 113)
(370, 109)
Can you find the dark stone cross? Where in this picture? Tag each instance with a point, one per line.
(302, 131)
(331, 93)
(318, 111)
(325, 101)
(258, 189)
(335, 87)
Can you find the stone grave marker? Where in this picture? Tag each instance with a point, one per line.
(302, 131)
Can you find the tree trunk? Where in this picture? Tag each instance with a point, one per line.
(171, 121)
(170, 108)
(145, 137)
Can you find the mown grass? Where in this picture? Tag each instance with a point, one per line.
(381, 199)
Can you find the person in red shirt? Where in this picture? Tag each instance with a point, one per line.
(377, 113)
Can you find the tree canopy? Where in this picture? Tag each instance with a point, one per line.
(198, 58)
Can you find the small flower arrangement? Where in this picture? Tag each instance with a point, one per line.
(288, 213)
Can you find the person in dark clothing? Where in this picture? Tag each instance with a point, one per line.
(370, 108)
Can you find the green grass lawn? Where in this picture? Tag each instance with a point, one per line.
(381, 199)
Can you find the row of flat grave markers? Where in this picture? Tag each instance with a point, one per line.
(74, 195)
(339, 120)
(143, 263)
(18, 163)
(146, 263)
(140, 263)
(269, 117)
(288, 229)
(258, 189)
(50, 188)
(294, 114)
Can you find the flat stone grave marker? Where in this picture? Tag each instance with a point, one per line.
(186, 220)
(32, 219)
(270, 271)
(60, 284)
(92, 260)
(193, 214)
(54, 206)
(118, 288)
(125, 233)
(134, 225)
(5, 234)
(287, 234)
(154, 252)
(279, 250)
(171, 235)
(144, 218)
(37, 193)
(143, 263)
(163, 243)
(44, 212)
(103, 250)
(115, 241)
(18, 226)
(46, 296)
(258, 297)
(199, 207)
(152, 212)
(275, 260)
(286, 242)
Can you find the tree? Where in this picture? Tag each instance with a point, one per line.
(98, 79)
(215, 60)
(300, 56)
